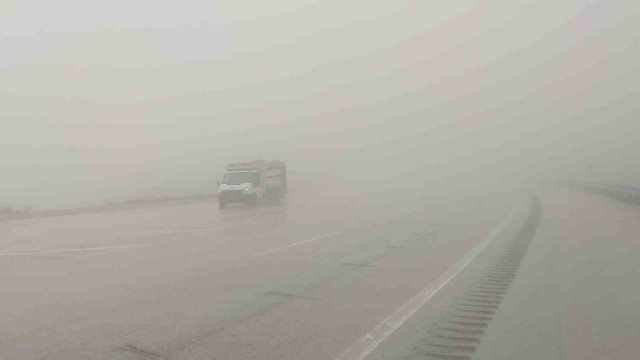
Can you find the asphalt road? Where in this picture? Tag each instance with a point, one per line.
(327, 276)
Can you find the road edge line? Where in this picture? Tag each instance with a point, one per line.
(369, 342)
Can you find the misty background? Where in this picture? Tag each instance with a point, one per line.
(114, 100)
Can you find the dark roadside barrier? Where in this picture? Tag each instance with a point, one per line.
(625, 194)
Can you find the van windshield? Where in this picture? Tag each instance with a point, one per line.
(242, 177)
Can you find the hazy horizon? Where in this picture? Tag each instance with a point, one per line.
(126, 99)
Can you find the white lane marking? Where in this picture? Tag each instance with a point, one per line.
(297, 244)
(365, 345)
(40, 252)
(114, 250)
(161, 232)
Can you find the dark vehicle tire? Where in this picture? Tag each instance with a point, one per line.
(252, 201)
(275, 194)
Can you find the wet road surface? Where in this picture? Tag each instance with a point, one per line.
(321, 278)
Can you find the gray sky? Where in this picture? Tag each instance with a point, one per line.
(114, 99)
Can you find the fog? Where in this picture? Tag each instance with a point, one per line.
(122, 99)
